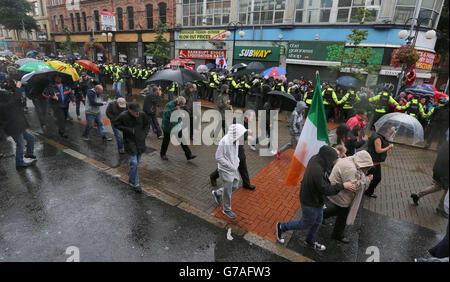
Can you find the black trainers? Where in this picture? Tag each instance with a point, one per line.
(280, 234)
(107, 139)
(216, 197)
(26, 164)
(191, 157)
(251, 187)
(30, 157)
(415, 199)
(341, 239)
(316, 246)
(164, 157)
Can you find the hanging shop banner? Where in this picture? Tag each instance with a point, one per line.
(201, 54)
(425, 61)
(108, 20)
(314, 51)
(257, 53)
(202, 34)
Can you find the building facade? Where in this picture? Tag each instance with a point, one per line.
(39, 40)
(131, 24)
(302, 35)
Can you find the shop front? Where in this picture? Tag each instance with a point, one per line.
(304, 58)
(268, 56)
(202, 57)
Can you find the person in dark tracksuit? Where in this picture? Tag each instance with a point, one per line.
(60, 96)
(151, 101)
(243, 171)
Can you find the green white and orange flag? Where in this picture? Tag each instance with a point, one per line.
(314, 135)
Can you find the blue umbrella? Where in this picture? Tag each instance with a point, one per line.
(347, 81)
(211, 66)
(275, 71)
(31, 53)
(421, 90)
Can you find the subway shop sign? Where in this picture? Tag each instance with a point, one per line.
(257, 53)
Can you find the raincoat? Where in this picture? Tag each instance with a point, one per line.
(296, 126)
(227, 151)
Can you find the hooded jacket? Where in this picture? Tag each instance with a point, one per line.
(349, 170)
(315, 183)
(296, 126)
(227, 151)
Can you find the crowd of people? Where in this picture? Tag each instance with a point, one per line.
(335, 179)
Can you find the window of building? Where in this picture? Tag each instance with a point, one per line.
(72, 22)
(35, 9)
(206, 12)
(61, 20)
(55, 19)
(162, 7)
(261, 11)
(97, 20)
(120, 18)
(347, 9)
(313, 11)
(77, 16)
(83, 14)
(149, 15)
(42, 8)
(130, 15)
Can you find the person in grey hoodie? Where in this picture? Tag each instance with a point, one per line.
(296, 125)
(228, 163)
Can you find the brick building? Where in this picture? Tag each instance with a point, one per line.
(135, 24)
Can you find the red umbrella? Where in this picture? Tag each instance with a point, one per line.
(438, 94)
(89, 65)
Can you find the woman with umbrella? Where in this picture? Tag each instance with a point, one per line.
(378, 146)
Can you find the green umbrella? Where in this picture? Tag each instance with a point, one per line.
(35, 66)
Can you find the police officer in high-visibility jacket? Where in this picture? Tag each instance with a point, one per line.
(382, 104)
(415, 109)
(307, 98)
(278, 86)
(117, 79)
(349, 100)
(330, 101)
(214, 83)
(173, 90)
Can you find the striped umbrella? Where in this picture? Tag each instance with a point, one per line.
(35, 66)
(421, 90)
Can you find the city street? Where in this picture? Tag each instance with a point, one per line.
(76, 196)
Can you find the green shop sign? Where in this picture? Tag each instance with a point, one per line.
(257, 53)
(314, 51)
(325, 51)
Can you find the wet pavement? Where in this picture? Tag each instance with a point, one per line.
(64, 202)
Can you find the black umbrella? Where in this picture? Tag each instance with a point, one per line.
(287, 99)
(179, 75)
(255, 66)
(43, 78)
(22, 62)
(238, 67)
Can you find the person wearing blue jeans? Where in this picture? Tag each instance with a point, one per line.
(117, 88)
(133, 175)
(93, 115)
(20, 143)
(314, 187)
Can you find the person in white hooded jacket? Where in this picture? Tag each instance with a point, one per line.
(228, 163)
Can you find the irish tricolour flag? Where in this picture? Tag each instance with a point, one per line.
(313, 136)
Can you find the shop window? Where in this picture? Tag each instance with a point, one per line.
(84, 20)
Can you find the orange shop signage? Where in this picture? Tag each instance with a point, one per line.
(201, 54)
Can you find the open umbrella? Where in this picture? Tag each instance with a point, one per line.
(44, 77)
(63, 67)
(179, 75)
(274, 72)
(22, 62)
(423, 90)
(89, 65)
(202, 68)
(286, 99)
(255, 66)
(70, 57)
(211, 66)
(35, 66)
(238, 67)
(347, 81)
(407, 128)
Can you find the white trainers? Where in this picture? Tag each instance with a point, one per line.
(316, 246)
(252, 147)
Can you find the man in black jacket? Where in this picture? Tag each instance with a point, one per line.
(134, 125)
(114, 109)
(151, 101)
(314, 187)
(14, 124)
(440, 179)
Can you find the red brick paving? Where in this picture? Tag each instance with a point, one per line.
(258, 211)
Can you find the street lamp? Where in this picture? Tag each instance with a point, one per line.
(411, 40)
(234, 26)
(107, 35)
